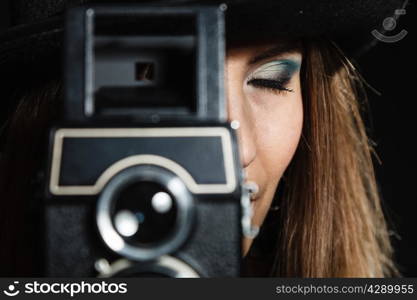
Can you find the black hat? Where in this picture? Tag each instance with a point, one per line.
(37, 25)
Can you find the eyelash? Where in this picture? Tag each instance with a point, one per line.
(270, 84)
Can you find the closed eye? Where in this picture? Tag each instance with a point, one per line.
(274, 75)
(270, 84)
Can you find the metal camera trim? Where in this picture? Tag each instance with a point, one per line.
(62, 134)
(177, 267)
(161, 176)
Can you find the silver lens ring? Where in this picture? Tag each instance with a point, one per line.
(166, 266)
(149, 173)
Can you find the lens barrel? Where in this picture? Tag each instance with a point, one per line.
(144, 212)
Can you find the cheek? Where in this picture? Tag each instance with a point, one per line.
(278, 122)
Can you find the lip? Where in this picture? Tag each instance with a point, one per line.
(254, 197)
(254, 191)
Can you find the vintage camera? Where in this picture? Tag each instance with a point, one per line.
(144, 178)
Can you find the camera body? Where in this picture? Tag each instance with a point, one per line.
(109, 176)
(144, 178)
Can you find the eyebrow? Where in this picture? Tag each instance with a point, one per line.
(284, 47)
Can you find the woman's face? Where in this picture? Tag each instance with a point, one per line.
(264, 96)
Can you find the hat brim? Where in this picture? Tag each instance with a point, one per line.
(350, 22)
(29, 42)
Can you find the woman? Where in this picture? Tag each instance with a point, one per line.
(302, 141)
(309, 127)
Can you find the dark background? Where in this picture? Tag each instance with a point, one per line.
(391, 70)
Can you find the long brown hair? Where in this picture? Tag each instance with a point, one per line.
(23, 150)
(332, 224)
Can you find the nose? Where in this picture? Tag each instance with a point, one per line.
(239, 110)
(247, 142)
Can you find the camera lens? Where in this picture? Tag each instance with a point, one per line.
(144, 275)
(165, 266)
(146, 272)
(145, 213)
